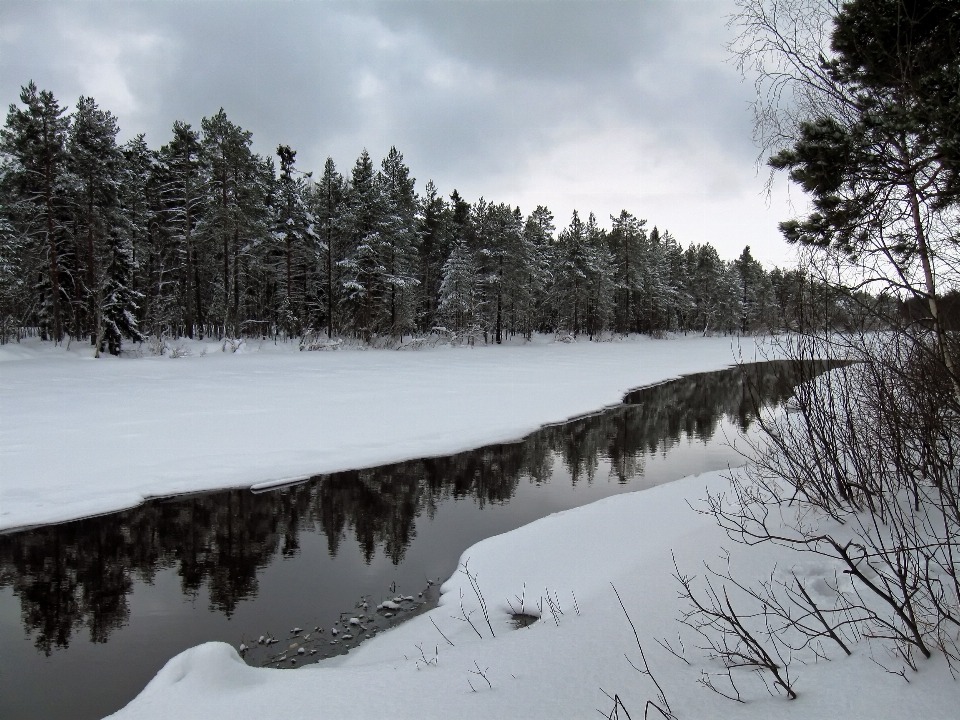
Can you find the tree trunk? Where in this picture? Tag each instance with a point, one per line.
(329, 275)
(226, 248)
(91, 273)
(931, 288)
(500, 302)
(626, 275)
(51, 240)
(236, 278)
(288, 253)
(191, 280)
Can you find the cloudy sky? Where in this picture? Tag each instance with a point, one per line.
(592, 104)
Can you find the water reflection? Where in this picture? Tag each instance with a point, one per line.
(79, 575)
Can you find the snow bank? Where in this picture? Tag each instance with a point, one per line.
(80, 436)
(551, 669)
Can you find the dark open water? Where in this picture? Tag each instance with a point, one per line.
(90, 610)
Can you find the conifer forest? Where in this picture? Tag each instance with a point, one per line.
(116, 242)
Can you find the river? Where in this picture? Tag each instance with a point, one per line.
(90, 610)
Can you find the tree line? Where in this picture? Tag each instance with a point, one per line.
(204, 237)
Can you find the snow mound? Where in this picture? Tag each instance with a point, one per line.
(212, 667)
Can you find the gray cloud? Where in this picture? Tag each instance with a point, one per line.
(589, 104)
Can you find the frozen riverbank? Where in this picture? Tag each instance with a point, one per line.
(81, 436)
(553, 669)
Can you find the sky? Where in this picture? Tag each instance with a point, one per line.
(593, 105)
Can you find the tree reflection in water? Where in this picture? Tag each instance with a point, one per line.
(79, 574)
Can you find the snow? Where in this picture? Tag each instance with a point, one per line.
(552, 670)
(80, 437)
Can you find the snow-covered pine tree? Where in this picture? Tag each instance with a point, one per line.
(678, 302)
(480, 239)
(33, 146)
(626, 240)
(533, 306)
(434, 248)
(181, 194)
(14, 288)
(704, 282)
(96, 166)
(463, 235)
(498, 231)
(118, 299)
(256, 261)
(138, 211)
(752, 290)
(399, 240)
(730, 312)
(326, 206)
(290, 233)
(363, 282)
(460, 303)
(601, 276)
(517, 292)
(235, 213)
(571, 272)
(656, 291)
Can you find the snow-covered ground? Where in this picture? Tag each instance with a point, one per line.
(555, 669)
(80, 436)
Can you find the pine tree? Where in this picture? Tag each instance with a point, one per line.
(182, 193)
(236, 214)
(95, 164)
(497, 234)
(731, 291)
(256, 262)
(461, 300)
(326, 203)
(571, 272)
(533, 296)
(677, 301)
(140, 215)
(460, 303)
(399, 240)
(33, 143)
(705, 273)
(517, 294)
(601, 276)
(627, 238)
(118, 299)
(434, 248)
(751, 277)
(364, 277)
(290, 230)
(14, 289)
(658, 296)
(880, 156)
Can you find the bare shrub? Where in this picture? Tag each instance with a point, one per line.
(740, 640)
(862, 471)
(661, 705)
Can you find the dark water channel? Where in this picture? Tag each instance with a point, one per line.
(90, 610)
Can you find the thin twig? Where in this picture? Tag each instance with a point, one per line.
(441, 633)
